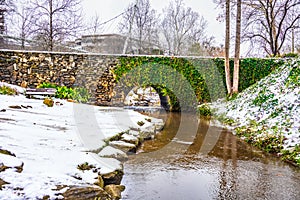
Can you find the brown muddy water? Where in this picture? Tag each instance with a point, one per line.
(192, 159)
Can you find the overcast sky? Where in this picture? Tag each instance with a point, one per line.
(108, 9)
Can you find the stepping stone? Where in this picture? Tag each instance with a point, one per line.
(130, 139)
(111, 152)
(124, 146)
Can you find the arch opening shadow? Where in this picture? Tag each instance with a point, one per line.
(148, 96)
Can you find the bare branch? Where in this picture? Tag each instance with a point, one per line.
(183, 28)
(269, 22)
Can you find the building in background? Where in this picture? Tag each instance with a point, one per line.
(113, 44)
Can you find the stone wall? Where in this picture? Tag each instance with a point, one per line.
(29, 69)
(91, 71)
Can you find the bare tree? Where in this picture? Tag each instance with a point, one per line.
(94, 25)
(269, 22)
(203, 47)
(21, 19)
(181, 26)
(2, 21)
(232, 87)
(227, 46)
(140, 22)
(235, 85)
(58, 20)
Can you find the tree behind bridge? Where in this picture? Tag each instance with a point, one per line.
(47, 22)
(140, 22)
(182, 28)
(58, 20)
(268, 23)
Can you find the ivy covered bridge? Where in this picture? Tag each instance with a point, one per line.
(181, 82)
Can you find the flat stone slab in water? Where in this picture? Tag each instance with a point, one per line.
(124, 146)
(130, 139)
(111, 152)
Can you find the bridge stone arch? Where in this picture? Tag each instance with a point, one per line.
(174, 90)
(101, 74)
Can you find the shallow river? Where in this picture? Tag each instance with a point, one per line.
(191, 159)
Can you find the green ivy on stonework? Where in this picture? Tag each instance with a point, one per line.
(251, 69)
(205, 75)
(146, 76)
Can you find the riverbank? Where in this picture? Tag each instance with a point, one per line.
(267, 113)
(69, 151)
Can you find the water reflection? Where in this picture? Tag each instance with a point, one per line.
(211, 164)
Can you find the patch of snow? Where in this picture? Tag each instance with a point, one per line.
(112, 152)
(134, 133)
(128, 137)
(10, 161)
(52, 141)
(122, 143)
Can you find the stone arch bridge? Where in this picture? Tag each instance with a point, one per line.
(109, 78)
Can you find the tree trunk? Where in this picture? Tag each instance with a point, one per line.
(51, 25)
(235, 86)
(227, 44)
(293, 40)
(23, 41)
(274, 29)
(129, 32)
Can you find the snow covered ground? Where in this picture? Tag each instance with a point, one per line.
(50, 142)
(269, 108)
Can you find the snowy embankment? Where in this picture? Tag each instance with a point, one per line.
(47, 145)
(267, 114)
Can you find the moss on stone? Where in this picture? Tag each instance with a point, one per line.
(49, 102)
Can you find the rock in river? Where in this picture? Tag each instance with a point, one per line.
(114, 191)
(114, 177)
(86, 193)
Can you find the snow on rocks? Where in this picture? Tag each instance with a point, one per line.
(112, 152)
(124, 146)
(59, 146)
(19, 89)
(8, 161)
(130, 139)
